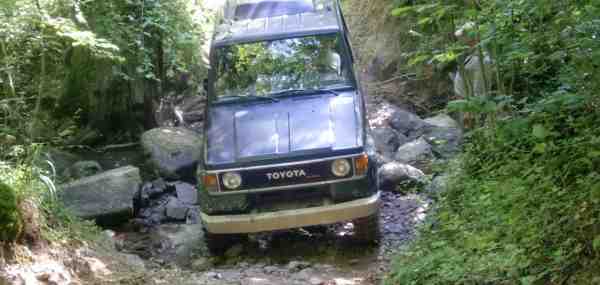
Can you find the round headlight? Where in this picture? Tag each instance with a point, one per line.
(340, 167)
(232, 180)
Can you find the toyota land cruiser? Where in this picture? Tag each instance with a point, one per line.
(285, 131)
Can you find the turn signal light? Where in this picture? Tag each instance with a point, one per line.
(209, 181)
(361, 164)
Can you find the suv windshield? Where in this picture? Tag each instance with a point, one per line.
(269, 68)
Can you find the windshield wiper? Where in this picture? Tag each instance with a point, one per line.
(252, 97)
(303, 92)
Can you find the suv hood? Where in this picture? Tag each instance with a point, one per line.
(292, 126)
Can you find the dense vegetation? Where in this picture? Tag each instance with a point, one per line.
(82, 73)
(523, 205)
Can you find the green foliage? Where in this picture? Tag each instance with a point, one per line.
(91, 62)
(10, 221)
(525, 205)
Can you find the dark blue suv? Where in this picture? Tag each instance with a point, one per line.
(285, 135)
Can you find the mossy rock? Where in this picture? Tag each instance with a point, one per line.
(10, 222)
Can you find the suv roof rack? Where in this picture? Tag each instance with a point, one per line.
(249, 20)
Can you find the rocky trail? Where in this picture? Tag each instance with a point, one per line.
(316, 255)
(163, 242)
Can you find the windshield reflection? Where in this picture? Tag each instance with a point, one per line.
(270, 67)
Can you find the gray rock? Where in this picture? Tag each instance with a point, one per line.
(257, 281)
(304, 274)
(416, 153)
(442, 121)
(271, 269)
(176, 210)
(445, 142)
(182, 239)
(294, 266)
(387, 140)
(393, 174)
(316, 281)
(173, 152)
(133, 261)
(201, 264)
(407, 123)
(106, 197)
(186, 193)
(83, 169)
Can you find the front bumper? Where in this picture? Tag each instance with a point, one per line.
(287, 219)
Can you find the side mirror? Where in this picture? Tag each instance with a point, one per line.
(205, 84)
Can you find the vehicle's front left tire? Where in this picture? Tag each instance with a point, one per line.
(217, 244)
(367, 229)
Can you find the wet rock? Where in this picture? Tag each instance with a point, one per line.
(105, 197)
(417, 153)
(442, 121)
(173, 152)
(393, 174)
(83, 169)
(407, 123)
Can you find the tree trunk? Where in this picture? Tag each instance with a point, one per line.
(11, 83)
(34, 127)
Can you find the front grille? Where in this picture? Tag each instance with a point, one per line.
(288, 175)
(289, 200)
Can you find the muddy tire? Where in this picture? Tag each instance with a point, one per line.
(217, 244)
(366, 230)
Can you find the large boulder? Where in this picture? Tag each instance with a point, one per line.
(442, 121)
(445, 142)
(105, 197)
(394, 174)
(387, 141)
(407, 123)
(416, 153)
(445, 137)
(173, 152)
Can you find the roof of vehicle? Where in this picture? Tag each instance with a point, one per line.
(252, 20)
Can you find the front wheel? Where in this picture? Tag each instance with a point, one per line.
(217, 244)
(366, 230)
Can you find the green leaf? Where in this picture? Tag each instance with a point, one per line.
(596, 243)
(402, 11)
(540, 148)
(539, 131)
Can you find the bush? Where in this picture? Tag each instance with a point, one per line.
(524, 209)
(10, 220)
